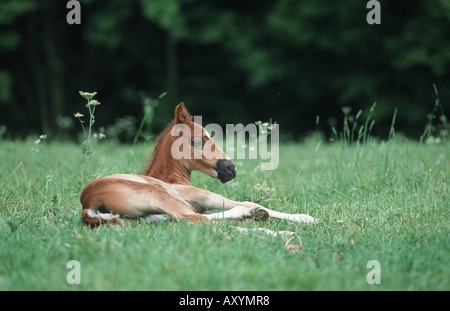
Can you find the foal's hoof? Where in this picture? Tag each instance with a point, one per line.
(259, 214)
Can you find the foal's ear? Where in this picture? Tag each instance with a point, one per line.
(181, 114)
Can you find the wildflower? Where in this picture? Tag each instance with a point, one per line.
(346, 110)
(99, 135)
(93, 103)
(78, 115)
(41, 138)
(87, 95)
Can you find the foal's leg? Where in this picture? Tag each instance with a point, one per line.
(240, 212)
(203, 200)
(176, 208)
(299, 218)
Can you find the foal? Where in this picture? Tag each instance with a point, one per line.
(165, 188)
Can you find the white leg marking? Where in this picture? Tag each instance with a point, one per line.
(237, 212)
(299, 218)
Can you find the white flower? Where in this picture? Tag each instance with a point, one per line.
(93, 103)
(41, 138)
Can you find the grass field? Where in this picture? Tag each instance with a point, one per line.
(384, 201)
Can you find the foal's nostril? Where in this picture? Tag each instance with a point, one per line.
(231, 169)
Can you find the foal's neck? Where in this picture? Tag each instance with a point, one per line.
(164, 167)
(172, 172)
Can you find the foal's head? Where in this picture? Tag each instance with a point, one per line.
(188, 146)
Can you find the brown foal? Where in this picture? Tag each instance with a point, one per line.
(166, 186)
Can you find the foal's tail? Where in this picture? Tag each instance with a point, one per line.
(94, 218)
(93, 214)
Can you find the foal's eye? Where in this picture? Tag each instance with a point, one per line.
(197, 143)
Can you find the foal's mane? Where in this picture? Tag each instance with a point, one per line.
(181, 116)
(150, 160)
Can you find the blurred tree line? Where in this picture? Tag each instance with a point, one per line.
(229, 61)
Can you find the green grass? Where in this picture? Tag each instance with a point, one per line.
(385, 201)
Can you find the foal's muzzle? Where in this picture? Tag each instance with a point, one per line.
(225, 169)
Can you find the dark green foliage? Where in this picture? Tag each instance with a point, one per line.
(232, 62)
